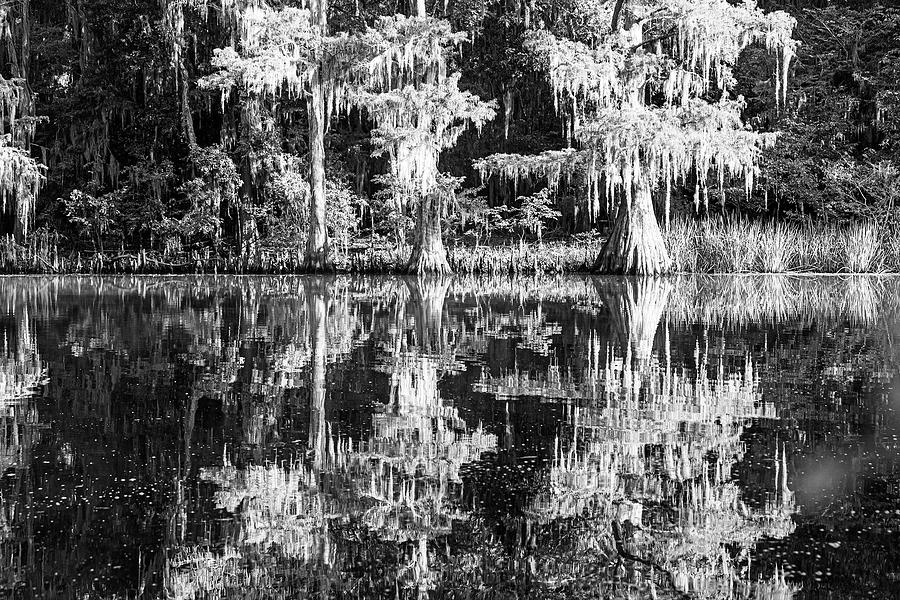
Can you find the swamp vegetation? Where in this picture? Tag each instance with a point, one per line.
(618, 136)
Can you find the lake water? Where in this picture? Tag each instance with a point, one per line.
(730, 437)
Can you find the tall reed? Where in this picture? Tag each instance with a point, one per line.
(861, 248)
(776, 249)
(735, 245)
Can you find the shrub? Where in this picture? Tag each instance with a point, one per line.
(93, 216)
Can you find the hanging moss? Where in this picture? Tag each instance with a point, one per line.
(415, 124)
(551, 165)
(20, 175)
(278, 50)
(20, 182)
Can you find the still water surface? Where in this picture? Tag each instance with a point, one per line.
(458, 438)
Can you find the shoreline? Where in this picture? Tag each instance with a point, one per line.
(713, 246)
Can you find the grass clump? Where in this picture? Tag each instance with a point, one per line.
(737, 245)
(776, 249)
(861, 248)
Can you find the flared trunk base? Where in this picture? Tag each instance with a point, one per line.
(428, 260)
(635, 245)
(429, 256)
(317, 261)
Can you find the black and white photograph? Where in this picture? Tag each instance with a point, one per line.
(450, 299)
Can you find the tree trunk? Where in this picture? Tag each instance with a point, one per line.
(508, 108)
(617, 12)
(317, 246)
(428, 253)
(175, 26)
(635, 245)
(19, 223)
(248, 235)
(247, 232)
(19, 57)
(187, 119)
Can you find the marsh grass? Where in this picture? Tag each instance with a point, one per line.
(776, 249)
(861, 248)
(735, 245)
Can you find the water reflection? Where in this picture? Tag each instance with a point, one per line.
(331, 437)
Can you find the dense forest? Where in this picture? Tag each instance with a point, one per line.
(636, 136)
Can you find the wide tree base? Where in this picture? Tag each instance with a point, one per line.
(430, 259)
(429, 256)
(630, 257)
(635, 245)
(317, 262)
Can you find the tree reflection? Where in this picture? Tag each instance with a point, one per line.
(330, 437)
(21, 373)
(318, 337)
(401, 484)
(646, 458)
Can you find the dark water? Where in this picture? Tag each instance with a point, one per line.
(466, 438)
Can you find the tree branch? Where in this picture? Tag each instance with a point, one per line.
(617, 11)
(653, 40)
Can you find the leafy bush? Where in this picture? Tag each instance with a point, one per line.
(284, 214)
(92, 216)
(343, 213)
(533, 212)
(208, 195)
